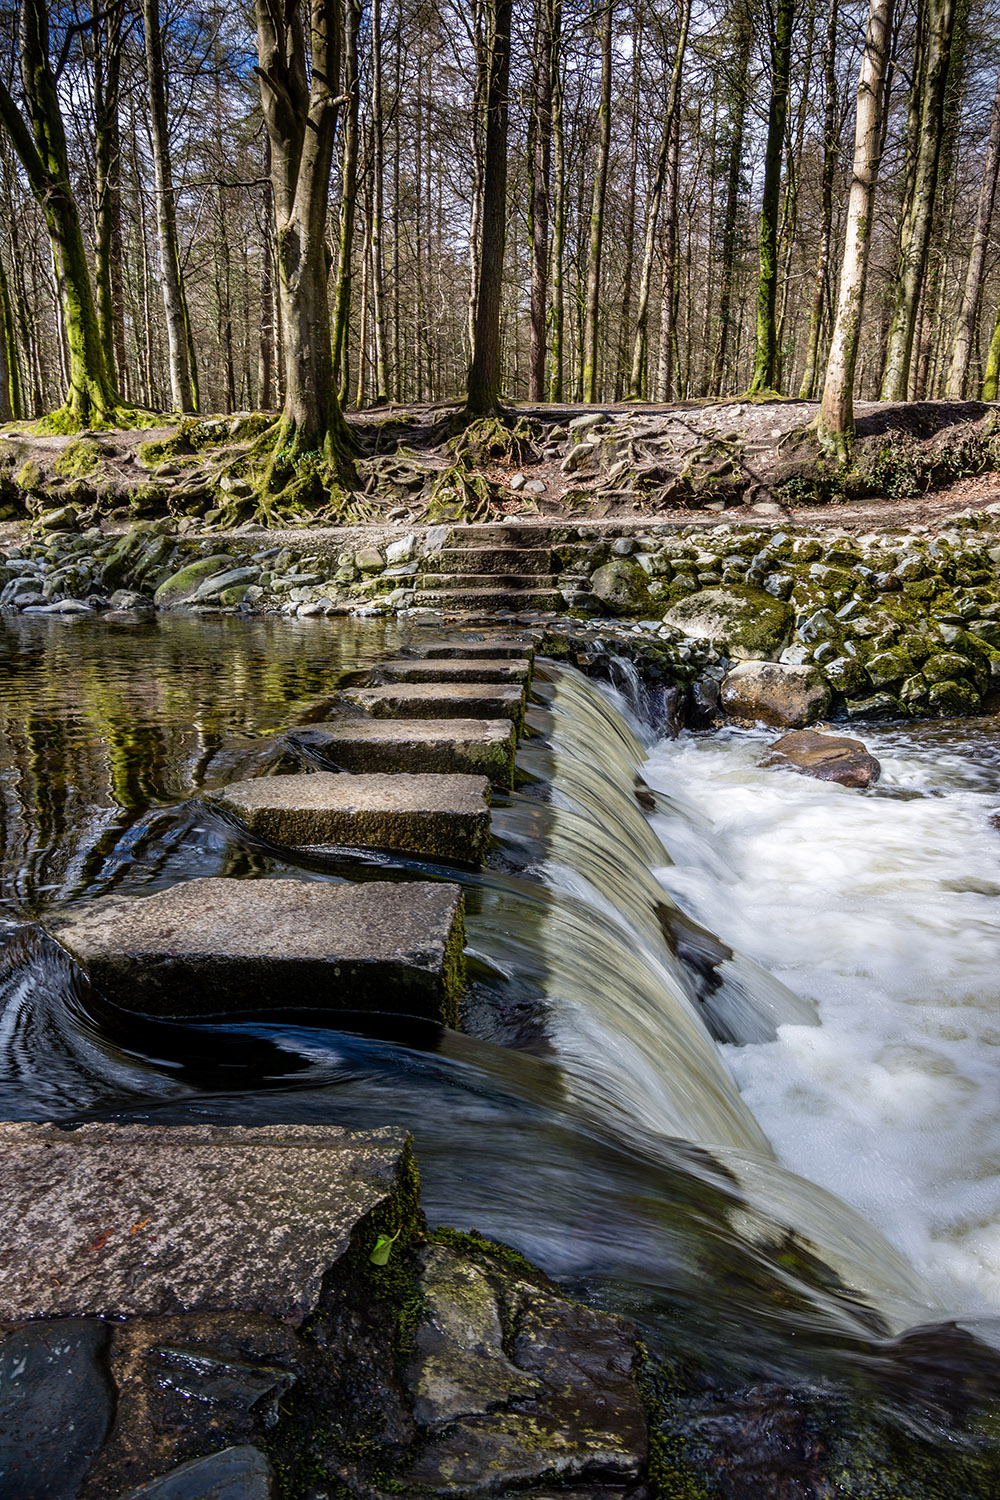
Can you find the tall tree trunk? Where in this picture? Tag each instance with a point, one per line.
(11, 403)
(378, 210)
(935, 27)
(300, 112)
(556, 363)
(830, 153)
(538, 208)
(484, 372)
(265, 357)
(596, 245)
(669, 290)
(734, 169)
(766, 350)
(638, 377)
(178, 362)
(107, 174)
(348, 198)
(622, 363)
(991, 375)
(835, 420)
(961, 349)
(40, 143)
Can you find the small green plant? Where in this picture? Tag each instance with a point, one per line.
(383, 1248)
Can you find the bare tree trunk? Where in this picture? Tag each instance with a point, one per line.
(484, 372)
(11, 406)
(300, 111)
(835, 420)
(181, 393)
(596, 246)
(540, 166)
(935, 26)
(107, 183)
(830, 153)
(766, 352)
(734, 167)
(961, 348)
(669, 292)
(638, 377)
(378, 209)
(265, 356)
(558, 214)
(348, 200)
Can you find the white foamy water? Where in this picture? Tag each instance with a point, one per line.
(884, 909)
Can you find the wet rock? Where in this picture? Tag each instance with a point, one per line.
(234, 1474)
(622, 587)
(825, 757)
(435, 816)
(953, 699)
(182, 586)
(222, 946)
(513, 1385)
(125, 1220)
(877, 706)
(56, 1405)
(748, 623)
(770, 693)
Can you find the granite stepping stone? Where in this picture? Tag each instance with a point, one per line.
(357, 743)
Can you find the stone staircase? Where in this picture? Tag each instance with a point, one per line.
(492, 569)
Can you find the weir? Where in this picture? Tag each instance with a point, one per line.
(588, 1114)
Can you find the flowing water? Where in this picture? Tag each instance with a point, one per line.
(731, 1039)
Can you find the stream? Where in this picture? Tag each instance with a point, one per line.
(731, 1042)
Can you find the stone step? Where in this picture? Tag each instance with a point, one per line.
(482, 747)
(455, 669)
(493, 601)
(490, 559)
(499, 647)
(490, 580)
(442, 817)
(219, 946)
(440, 700)
(116, 1221)
(499, 534)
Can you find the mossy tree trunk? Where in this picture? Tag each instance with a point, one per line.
(108, 47)
(40, 143)
(965, 327)
(831, 154)
(935, 29)
(300, 112)
(835, 421)
(11, 399)
(742, 33)
(182, 393)
(348, 201)
(765, 370)
(484, 372)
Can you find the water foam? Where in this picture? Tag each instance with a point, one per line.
(882, 908)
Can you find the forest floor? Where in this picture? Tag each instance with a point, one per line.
(703, 462)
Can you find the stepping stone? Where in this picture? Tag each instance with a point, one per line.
(219, 946)
(440, 700)
(241, 1473)
(117, 1221)
(494, 647)
(483, 747)
(456, 669)
(440, 817)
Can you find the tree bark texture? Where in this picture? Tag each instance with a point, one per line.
(961, 349)
(808, 386)
(766, 349)
(596, 244)
(835, 422)
(484, 372)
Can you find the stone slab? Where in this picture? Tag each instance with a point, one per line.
(440, 700)
(492, 648)
(125, 1220)
(465, 746)
(456, 669)
(438, 816)
(219, 946)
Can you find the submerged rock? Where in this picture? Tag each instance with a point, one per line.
(826, 757)
(771, 693)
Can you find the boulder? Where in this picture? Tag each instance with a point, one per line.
(622, 587)
(826, 757)
(770, 693)
(749, 624)
(182, 586)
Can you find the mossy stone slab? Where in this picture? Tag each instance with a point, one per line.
(124, 1220)
(218, 946)
(482, 747)
(492, 648)
(441, 700)
(438, 816)
(456, 669)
